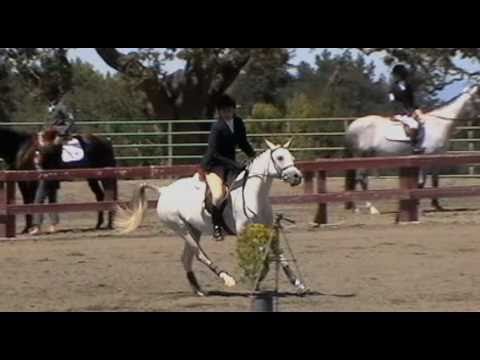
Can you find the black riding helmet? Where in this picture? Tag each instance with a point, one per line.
(400, 71)
(225, 101)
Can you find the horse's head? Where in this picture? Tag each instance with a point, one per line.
(282, 164)
(472, 105)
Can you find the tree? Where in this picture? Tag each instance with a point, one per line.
(7, 105)
(46, 71)
(260, 84)
(189, 93)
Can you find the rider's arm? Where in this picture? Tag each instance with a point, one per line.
(212, 152)
(244, 144)
(212, 144)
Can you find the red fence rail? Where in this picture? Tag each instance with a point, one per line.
(315, 173)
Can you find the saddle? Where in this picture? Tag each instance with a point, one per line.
(397, 131)
(208, 202)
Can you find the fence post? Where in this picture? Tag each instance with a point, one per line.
(321, 218)
(7, 221)
(170, 144)
(471, 147)
(308, 185)
(408, 209)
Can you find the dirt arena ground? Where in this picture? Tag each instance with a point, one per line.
(362, 263)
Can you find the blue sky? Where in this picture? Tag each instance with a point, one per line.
(302, 54)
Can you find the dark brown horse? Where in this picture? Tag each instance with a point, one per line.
(17, 149)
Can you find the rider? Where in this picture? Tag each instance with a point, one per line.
(402, 92)
(226, 134)
(62, 120)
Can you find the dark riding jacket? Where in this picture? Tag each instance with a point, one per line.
(222, 145)
(402, 92)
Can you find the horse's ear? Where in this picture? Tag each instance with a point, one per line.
(287, 144)
(270, 145)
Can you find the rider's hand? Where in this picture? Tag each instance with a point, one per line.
(202, 174)
(246, 163)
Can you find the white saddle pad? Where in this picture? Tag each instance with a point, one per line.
(396, 132)
(72, 151)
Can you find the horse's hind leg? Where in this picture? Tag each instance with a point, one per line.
(363, 180)
(436, 183)
(110, 191)
(350, 185)
(100, 196)
(187, 260)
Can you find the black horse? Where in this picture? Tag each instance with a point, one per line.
(18, 150)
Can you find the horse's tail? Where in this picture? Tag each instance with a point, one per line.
(128, 220)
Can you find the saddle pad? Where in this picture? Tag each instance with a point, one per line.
(396, 132)
(72, 151)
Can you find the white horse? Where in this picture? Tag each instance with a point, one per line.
(379, 136)
(181, 207)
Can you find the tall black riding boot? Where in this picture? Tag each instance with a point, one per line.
(415, 140)
(217, 223)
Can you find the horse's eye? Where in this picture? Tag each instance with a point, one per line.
(280, 158)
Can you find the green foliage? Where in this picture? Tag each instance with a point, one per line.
(266, 111)
(251, 250)
(299, 106)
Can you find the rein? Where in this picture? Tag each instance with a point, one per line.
(452, 119)
(247, 176)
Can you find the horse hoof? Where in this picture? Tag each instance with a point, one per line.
(34, 231)
(303, 291)
(228, 280)
(200, 293)
(52, 229)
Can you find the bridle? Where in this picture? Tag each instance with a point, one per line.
(279, 170)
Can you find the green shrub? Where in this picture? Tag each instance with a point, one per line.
(251, 249)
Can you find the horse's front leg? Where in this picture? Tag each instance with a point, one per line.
(27, 189)
(436, 183)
